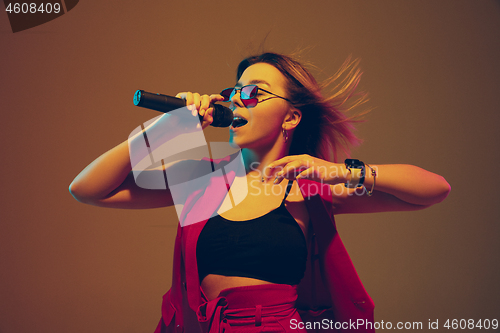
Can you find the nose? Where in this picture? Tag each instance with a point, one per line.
(236, 100)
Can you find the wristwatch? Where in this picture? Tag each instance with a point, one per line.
(357, 171)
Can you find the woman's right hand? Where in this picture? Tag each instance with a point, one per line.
(201, 103)
(109, 180)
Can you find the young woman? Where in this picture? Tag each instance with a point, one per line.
(274, 261)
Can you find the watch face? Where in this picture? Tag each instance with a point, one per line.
(353, 163)
(357, 171)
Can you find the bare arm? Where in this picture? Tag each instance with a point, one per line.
(409, 183)
(109, 181)
(103, 175)
(397, 186)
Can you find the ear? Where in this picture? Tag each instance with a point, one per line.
(292, 119)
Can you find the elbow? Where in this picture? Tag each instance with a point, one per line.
(443, 191)
(446, 190)
(433, 193)
(77, 191)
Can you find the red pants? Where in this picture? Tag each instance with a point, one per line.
(249, 309)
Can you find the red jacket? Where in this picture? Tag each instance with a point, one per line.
(330, 289)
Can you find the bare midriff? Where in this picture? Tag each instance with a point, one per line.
(213, 284)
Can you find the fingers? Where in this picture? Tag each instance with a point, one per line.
(216, 98)
(190, 101)
(207, 117)
(307, 167)
(201, 104)
(291, 167)
(291, 171)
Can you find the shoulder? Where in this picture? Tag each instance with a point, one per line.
(311, 189)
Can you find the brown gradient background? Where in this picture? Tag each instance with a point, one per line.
(432, 71)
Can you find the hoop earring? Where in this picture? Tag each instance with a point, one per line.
(285, 135)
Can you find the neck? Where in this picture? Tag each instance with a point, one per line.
(256, 161)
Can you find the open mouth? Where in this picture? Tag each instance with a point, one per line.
(238, 122)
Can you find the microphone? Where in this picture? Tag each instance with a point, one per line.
(223, 116)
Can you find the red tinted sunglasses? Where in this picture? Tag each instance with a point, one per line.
(248, 95)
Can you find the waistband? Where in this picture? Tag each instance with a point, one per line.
(248, 306)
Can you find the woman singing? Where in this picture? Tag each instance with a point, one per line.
(273, 262)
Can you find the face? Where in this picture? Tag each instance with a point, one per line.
(266, 119)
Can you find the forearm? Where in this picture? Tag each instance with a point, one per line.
(109, 170)
(408, 183)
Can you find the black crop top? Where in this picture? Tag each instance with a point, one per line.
(271, 247)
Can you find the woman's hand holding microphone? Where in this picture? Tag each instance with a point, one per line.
(202, 104)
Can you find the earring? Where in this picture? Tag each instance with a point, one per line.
(285, 135)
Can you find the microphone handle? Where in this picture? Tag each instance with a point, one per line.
(223, 116)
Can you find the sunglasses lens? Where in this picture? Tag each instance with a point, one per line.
(227, 94)
(248, 92)
(250, 103)
(247, 95)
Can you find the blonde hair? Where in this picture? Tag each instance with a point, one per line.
(324, 131)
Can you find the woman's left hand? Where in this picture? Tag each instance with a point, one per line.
(307, 167)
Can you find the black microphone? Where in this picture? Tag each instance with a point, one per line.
(223, 116)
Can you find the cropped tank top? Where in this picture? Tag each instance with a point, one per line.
(271, 247)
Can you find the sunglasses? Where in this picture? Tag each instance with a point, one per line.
(248, 95)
